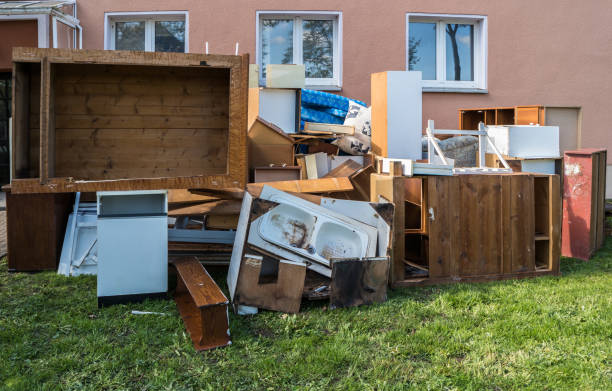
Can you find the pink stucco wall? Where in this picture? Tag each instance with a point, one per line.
(550, 52)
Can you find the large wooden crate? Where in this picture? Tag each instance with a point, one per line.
(472, 227)
(92, 120)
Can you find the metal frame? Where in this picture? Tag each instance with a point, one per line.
(483, 139)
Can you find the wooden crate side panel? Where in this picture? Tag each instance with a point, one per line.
(140, 122)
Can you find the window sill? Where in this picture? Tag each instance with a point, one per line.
(460, 90)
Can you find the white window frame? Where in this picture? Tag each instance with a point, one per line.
(329, 84)
(110, 18)
(479, 84)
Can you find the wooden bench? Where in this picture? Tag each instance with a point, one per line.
(202, 305)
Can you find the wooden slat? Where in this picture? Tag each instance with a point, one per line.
(346, 169)
(322, 185)
(555, 213)
(202, 289)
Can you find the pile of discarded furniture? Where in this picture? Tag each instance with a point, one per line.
(144, 167)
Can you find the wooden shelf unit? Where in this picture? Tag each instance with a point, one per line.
(93, 120)
(474, 227)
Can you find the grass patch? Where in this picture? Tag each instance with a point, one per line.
(547, 333)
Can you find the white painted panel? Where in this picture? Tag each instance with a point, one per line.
(404, 114)
(241, 232)
(538, 166)
(278, 106)
(132, 255)
(525, 141)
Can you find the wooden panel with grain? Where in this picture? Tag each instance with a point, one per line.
(202, 305)
(153, 119)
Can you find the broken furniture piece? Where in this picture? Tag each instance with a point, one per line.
(132, 245)
(270, 283)
(35, 227)
(568, 119)
(276, 227)
(80, 247)
(471, 227)
(269, 145)
(584, 188)
(161, 121)
(280, 107)
(357, 282)
(277, 173)
(202, 305)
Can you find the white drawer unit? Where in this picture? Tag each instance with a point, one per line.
(132, 245)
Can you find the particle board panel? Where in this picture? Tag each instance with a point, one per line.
(141, 119)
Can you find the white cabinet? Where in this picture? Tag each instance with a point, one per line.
(132, 245)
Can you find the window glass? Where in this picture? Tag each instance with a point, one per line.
(170, 36)
(459, 52)
(130, 35)
(318, 48)
(276, 42)
(422, 49)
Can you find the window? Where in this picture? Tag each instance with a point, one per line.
(449, 50)
(151, 32)
(313, 39)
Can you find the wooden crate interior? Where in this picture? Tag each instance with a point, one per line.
(26, 120)
(489, 117)
(416, 241)
(179, 115)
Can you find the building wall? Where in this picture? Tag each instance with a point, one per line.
(15, 33)
(549, 52)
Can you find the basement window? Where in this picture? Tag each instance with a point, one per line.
(149, 32)
(449, 50)
(310, 38)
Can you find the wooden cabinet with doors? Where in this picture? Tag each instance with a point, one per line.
(471, 227)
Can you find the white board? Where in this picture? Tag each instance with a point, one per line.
(278, 106)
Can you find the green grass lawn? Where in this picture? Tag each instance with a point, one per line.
(544, 334)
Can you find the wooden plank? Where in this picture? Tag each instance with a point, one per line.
(555, 213)
(358, 282)
(361, 182)
(346, 169)
(28, 54)
(202, 305)
(218, 207)
(21, 115)
(279, 173)
(331, 129)
(282, 292)
(201, 287)
(378, 94)
(47, 124)
(322, 185)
